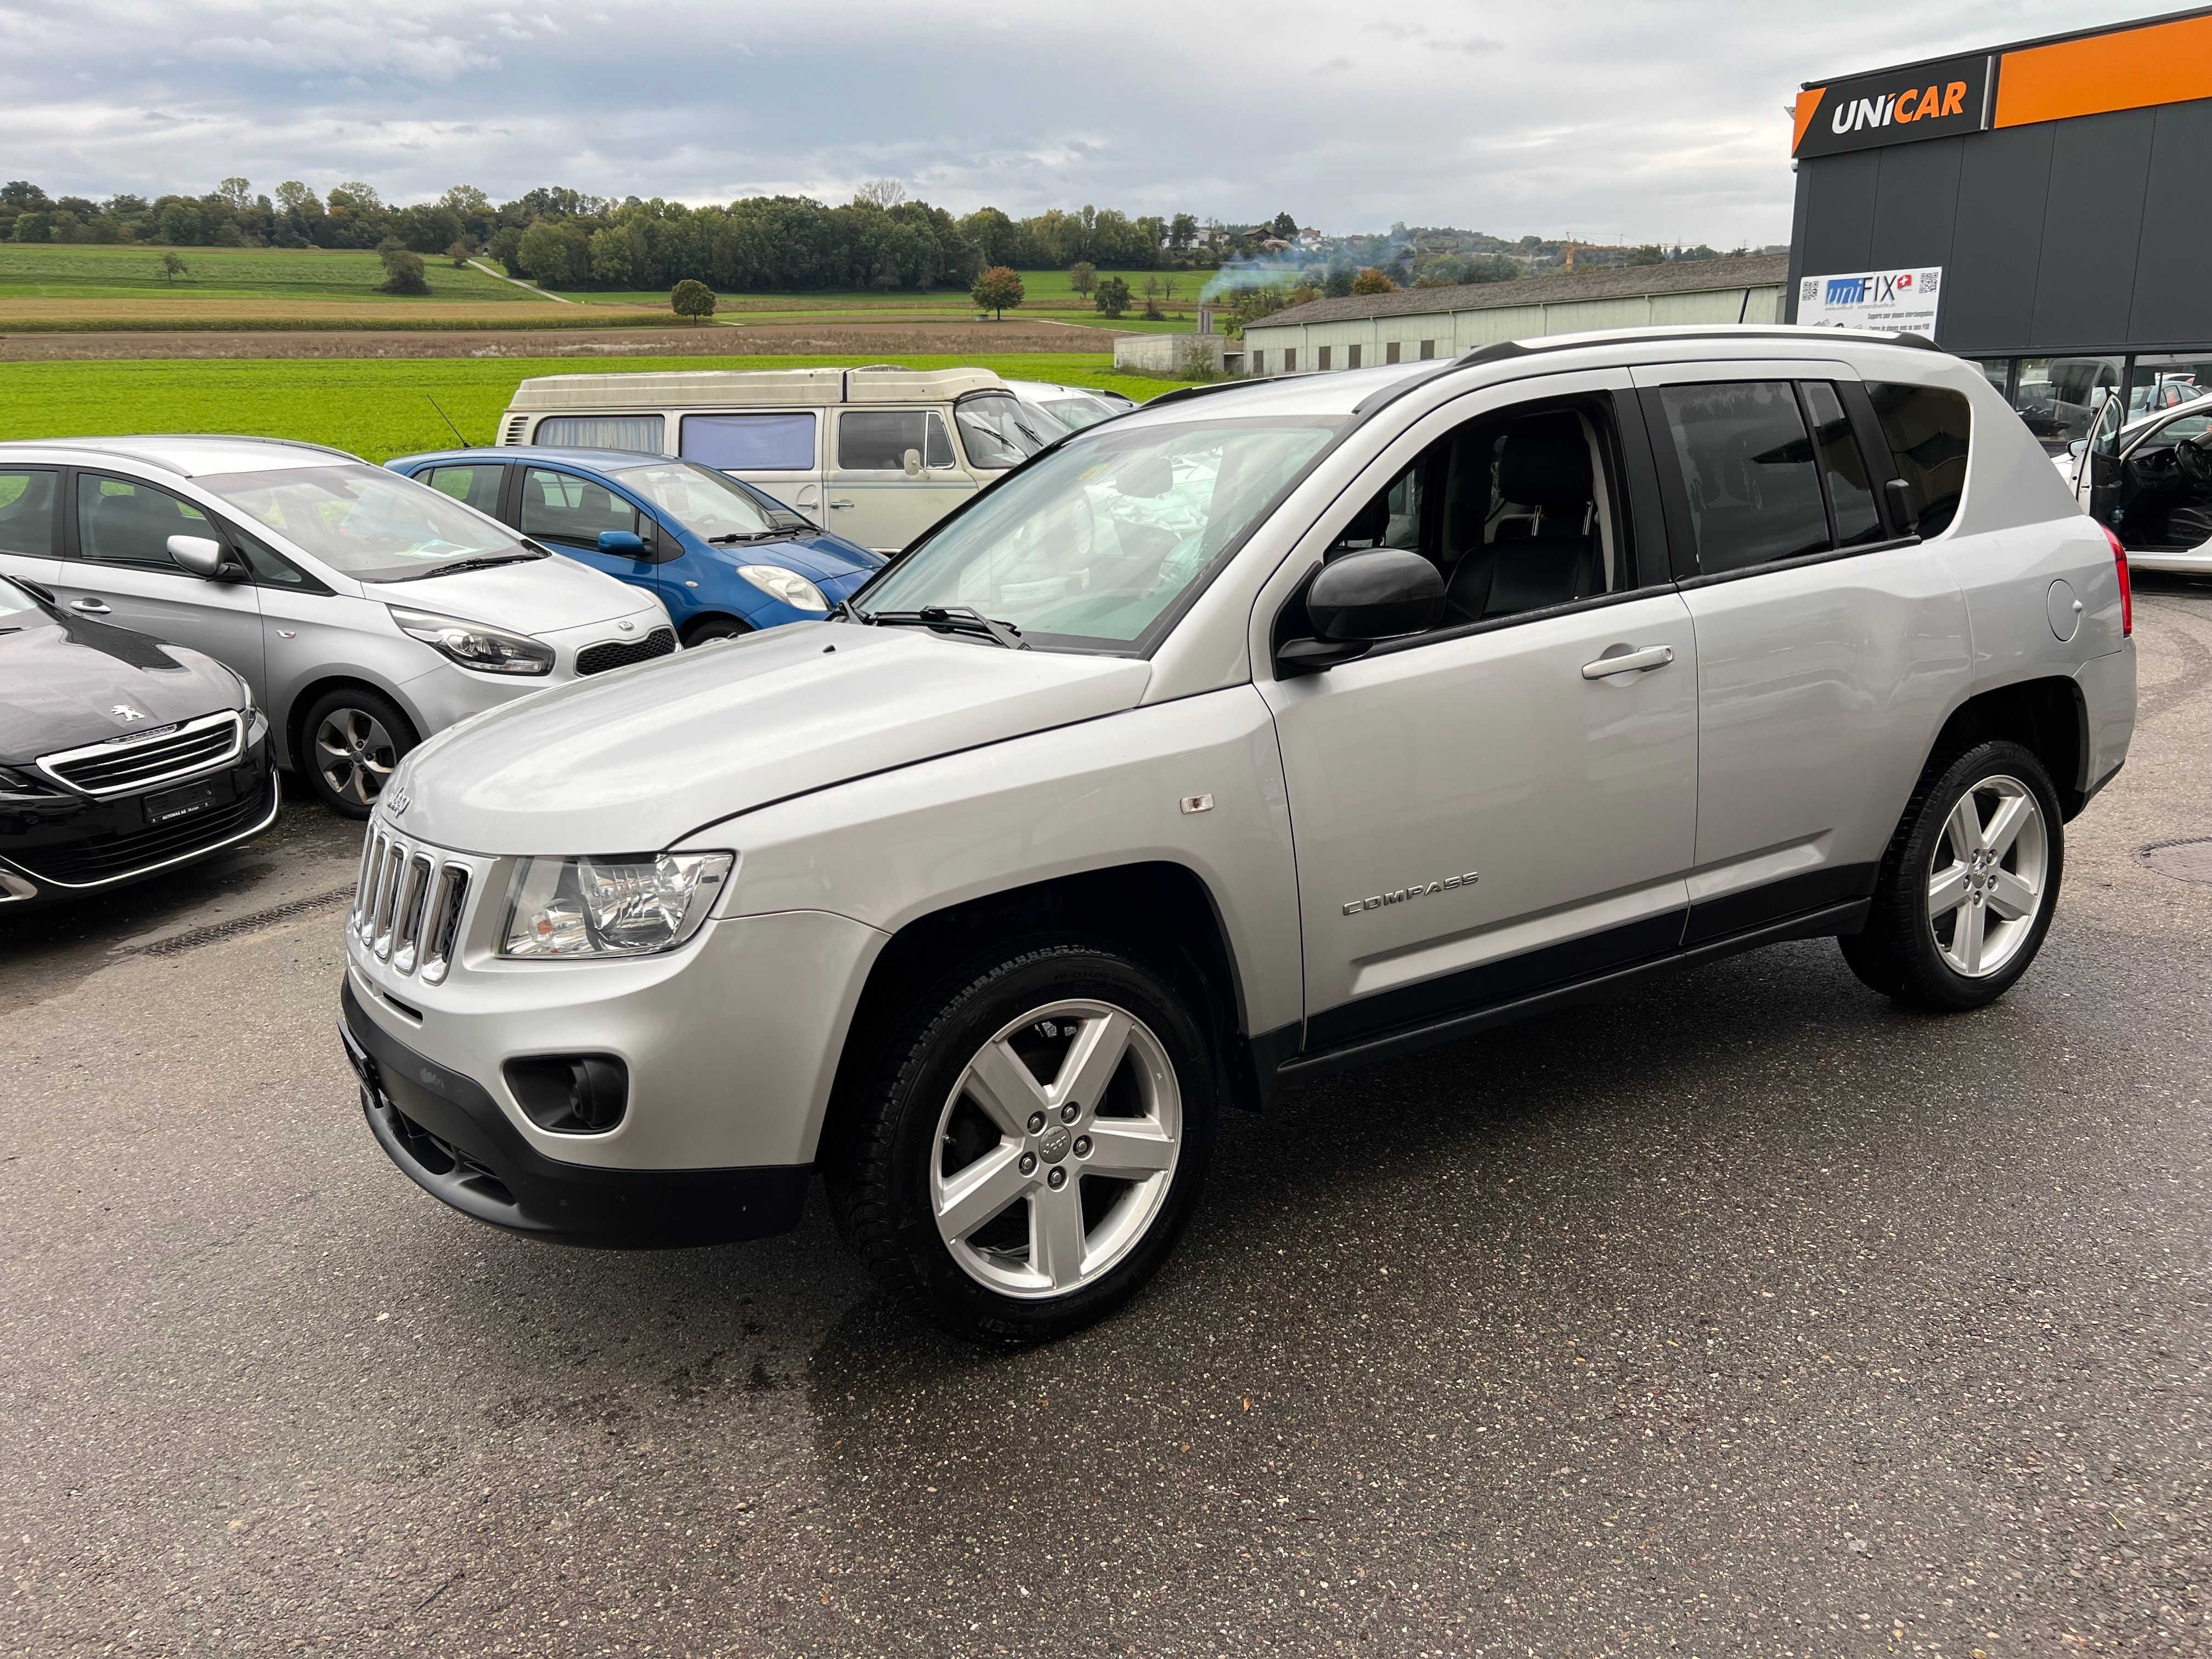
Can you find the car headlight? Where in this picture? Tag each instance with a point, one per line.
(610, 906)
(245, 692)
(489, 650)
(794, 589)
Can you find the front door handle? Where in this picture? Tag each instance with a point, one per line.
(1628, 662)
(90, 607)
(837, 504)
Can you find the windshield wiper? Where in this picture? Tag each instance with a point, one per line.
(748, 536)
(484, 564)
(962, 617)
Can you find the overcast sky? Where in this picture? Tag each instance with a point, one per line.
(1654, 121)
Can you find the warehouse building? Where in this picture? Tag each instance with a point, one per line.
(1413, 323)
(2038, 207)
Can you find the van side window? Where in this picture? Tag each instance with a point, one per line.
(641, 433)
(1928, 427)
(562, 507)
(26, 514)
(751, 443)
(877, 440)
(1519, 511)
(1746, 467)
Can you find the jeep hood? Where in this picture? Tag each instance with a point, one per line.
(634, 760)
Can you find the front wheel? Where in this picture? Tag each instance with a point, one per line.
(1968, 887)
(1030, 1144)
(354, 740)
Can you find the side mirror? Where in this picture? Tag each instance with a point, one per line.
(912, 462)
(1361, 598)
(200, 555)
(622, 544)
(2078, 447)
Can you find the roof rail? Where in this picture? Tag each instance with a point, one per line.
(1184, 393)
(1507, 348)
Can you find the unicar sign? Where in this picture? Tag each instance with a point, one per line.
(1896, 106)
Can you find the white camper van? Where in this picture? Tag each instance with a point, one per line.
(876, 455)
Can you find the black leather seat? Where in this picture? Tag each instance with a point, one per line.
(1551, 556)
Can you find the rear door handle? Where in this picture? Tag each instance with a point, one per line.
(90, 607)
(1629, 662)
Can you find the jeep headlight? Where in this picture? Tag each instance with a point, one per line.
(794, 589)
(472, 645)
(610, 906)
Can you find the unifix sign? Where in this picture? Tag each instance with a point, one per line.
(1895, 107)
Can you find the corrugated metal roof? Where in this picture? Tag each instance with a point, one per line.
(1614, 282)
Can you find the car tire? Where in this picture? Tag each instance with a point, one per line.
(1969, 884)
(351, 740)
(713, 628)
(979, 1196)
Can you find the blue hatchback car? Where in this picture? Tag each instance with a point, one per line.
(724, 557)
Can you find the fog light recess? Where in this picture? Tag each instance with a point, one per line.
(571, 1094)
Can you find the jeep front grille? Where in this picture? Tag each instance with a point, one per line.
(124, 764)
(408, 905)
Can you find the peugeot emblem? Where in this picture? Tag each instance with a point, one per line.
(125, 712)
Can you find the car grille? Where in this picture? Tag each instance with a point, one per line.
(408, 903)
(102, 857)
(619, 653)
(141, 761)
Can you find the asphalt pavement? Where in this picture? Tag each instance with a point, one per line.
(1749, 1315)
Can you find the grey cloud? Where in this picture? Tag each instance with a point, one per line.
(1468, 44)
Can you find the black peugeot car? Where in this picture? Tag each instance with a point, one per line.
(120, 757)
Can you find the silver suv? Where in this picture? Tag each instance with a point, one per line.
(1269, 729)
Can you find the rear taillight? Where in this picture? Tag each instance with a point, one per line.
(2127, 592)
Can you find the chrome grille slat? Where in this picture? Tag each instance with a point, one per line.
(372, 879)
(120, 765)
(442, 933)
(387, 899)
(361, 879)
(407, 923)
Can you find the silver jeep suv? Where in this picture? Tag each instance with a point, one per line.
(1269, 729)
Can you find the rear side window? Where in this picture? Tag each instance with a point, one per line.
(1842, 468)
(1926, 427)
(562, 507)
(877, 440)
(474, 486)
(1747, 469)
(27, 513)
(641, 433)
(125, 522)
(750, 443)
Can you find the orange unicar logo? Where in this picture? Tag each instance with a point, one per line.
(1856, 114)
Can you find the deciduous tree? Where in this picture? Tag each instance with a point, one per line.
(403, 269)
(997, 288)
(1112, 297)
(1083, 276)
(1371, 280)
(173, 266)
(692, 299)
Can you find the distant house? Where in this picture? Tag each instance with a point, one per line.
(1440, 322)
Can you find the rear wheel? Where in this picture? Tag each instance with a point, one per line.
(1968, 888)
(351, 741)
(1030, 1144)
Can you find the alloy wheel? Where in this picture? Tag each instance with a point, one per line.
(1055, 1149)
(355, 755)
(1988, 876)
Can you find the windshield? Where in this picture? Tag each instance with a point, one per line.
(366, 523)
(14, 600)
(1091, 545)
(998, 432)
(1076, 413)
(709, 503)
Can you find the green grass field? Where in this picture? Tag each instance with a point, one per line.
(382, 408)
(81, 271)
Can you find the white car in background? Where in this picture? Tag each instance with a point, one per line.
(364, 610)
(1064, 408)
(2155, 492)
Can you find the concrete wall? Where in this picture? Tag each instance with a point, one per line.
(1172, 354)
(2082, 235)
(1452, 333)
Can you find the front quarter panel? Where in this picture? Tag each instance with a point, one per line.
(890, 849)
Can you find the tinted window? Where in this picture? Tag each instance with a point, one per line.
(1926, 427)
(750, 443)
(121, 522)
(1746, 464)
(877, 440)
(27, 513)
(476, 486)
(634, 432)
(562, 507)
(1842, 468)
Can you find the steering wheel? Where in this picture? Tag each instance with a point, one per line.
(2194, 459)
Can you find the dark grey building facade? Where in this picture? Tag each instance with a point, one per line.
(2061, 186)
